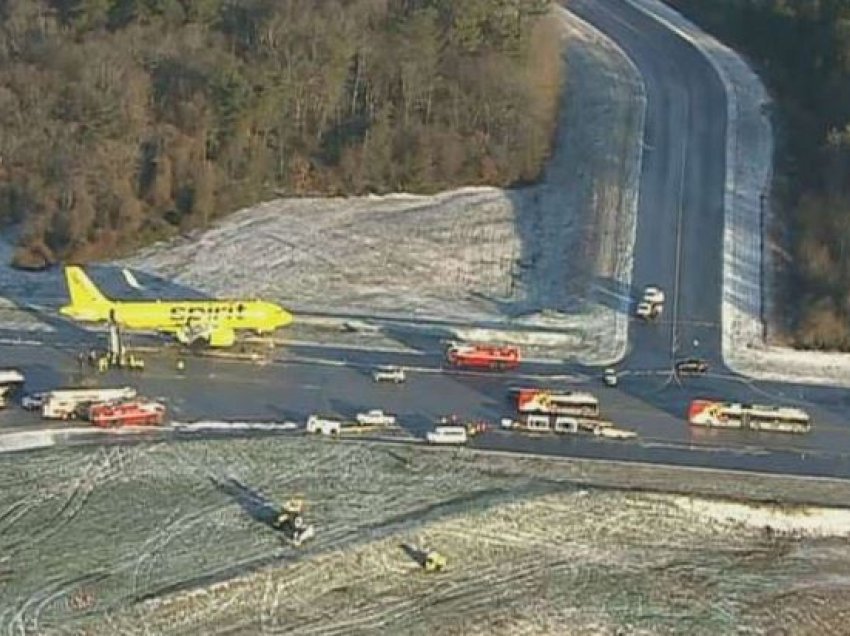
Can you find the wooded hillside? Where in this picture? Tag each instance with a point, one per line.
(124, 121)
(802, 49)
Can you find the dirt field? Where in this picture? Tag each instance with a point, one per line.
(172, 539)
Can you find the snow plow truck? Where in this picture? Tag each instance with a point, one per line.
(290, 522)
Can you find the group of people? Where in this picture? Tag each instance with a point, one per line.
(103, 361)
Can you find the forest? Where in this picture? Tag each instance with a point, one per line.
(801, 48)
(123, 122)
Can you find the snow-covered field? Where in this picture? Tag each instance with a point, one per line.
(397, 253)
(811, 521)
(559, 252)
(174, 539)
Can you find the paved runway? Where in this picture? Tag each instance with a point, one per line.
(653, 405)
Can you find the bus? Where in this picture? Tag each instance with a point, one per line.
(546, 402)
(753, 417)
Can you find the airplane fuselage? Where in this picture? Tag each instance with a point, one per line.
(214, 321)
(173, 315)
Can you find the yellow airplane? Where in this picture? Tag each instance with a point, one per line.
(210, 322)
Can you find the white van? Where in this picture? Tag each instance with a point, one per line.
(566, 425)
(317, 424)
(538, 424)
(447, 435)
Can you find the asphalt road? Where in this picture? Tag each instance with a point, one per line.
(679, 243)
(679, 246)
(304, 380)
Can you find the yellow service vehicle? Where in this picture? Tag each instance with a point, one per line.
(434, 561)
(290, 521)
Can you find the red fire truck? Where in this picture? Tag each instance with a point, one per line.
(128, 413)
(483, 356)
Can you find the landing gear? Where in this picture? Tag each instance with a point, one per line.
(116, 356)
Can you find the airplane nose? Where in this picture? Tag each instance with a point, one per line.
(281, 316)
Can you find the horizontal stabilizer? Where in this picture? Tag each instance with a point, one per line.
(131, 279)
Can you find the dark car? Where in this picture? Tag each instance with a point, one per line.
(691, 366)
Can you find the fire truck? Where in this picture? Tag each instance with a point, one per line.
(546, 402)
(483, 356)
(127, 413)
(65, 404)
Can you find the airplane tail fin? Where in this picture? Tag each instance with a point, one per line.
(87, 301)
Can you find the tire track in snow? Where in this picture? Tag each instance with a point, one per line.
(23, 624)
(92, 475)
(101, 467)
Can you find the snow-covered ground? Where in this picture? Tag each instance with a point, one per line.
(559, 253)
(397, 254)
(814, 521)
(26, 440)
(176, 539)
(747, 263)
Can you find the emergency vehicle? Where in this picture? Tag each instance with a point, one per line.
(127, 413)
(483, 356)
(64, 404)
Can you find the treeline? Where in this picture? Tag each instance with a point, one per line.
(125, 121)
(802, 49)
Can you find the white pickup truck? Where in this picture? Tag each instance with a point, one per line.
(376, 417)
(395, 375)
(653, 294)
(612, 432)
(323, 425)
(652, 303)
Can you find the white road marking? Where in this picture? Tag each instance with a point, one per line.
(434, 370)
(350, 347)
